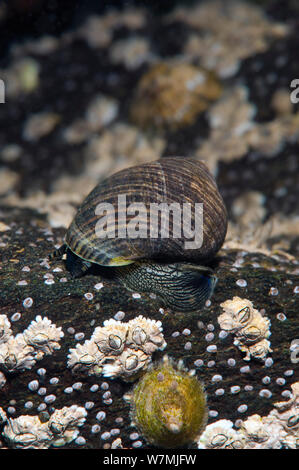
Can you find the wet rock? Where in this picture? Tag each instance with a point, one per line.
(271, 284)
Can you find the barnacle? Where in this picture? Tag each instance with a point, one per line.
(5, 330)
(237, 314)
(21, 352)
(127, 365)
(220, 435)
(287, 413)
(85, 357)
(251, 329)
(43, 335)
(118, 349)
(278, 429)
(64, 424)
(145, 334)
(262, 432)
(258, 350)
(27, 432)
(111, 338)
(15, 354)
(3, 417)
(30, 432)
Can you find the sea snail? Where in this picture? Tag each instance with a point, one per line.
(162, 249)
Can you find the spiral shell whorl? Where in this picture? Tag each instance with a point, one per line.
(169, 180)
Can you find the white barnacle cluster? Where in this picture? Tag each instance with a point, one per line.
(21, 352)
(29, 432)
(5, 331)
(220, 435)
(287, 414)
(118, 348)
(279, 429)
(43, 336)
(250, 328)
(3, 417)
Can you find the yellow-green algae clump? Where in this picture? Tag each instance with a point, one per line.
(169, 405)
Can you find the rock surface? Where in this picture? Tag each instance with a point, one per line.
(271, 284)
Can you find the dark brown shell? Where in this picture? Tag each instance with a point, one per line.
(169, 180)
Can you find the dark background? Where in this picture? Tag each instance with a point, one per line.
(33, 18)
